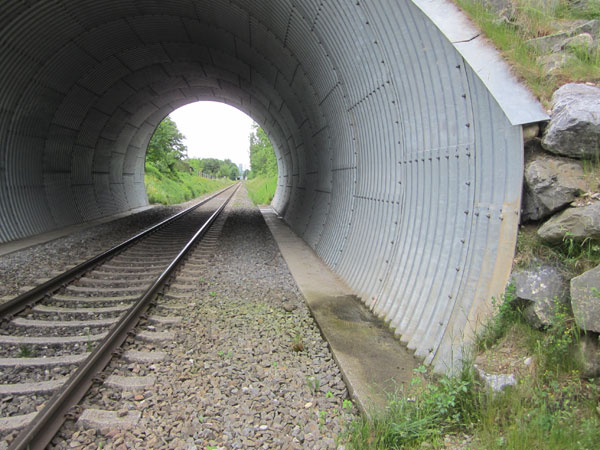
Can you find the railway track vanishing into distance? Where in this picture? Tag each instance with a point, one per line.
(56, 339)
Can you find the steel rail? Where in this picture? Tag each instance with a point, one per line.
(38, 293)
(41, 430)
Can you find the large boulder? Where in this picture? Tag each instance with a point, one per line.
(577, 223)
(551, 183)
(585, 299)
(557, 41)
(544, 290)
(574, 129)
(589, 347)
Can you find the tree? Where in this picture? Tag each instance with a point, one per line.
(262, 156)
(166, 147)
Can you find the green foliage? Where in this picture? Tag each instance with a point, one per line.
(532, 20)
(507, 312)
(573, 256)
(556, 349)
(166, 147)
(215, 168)
(170, 178)
(169, 189)
(262, 157)
(262, 189)
(551, 407)
(425, 412)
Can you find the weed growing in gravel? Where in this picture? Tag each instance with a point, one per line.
(297, 343)
(212, 293)
(313, 383)
(347, 406)
(25, 351)
(322, 416)
(329, 394)
(225, 355)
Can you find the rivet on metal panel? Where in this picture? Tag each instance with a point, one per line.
(468, 183)
(476, 214)
(466, 211)
(462, 241)
(468, 125)
(458, 269)
(458, 66)
(464, 96)
(450, 296)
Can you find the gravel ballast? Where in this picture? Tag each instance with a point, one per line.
(247, 368)
(28, 266)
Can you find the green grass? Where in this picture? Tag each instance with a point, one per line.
(262, 189)
(571, 256)
(530, 22)
(551, 407)
(166, 190)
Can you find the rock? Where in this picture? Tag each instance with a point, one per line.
(546, 44)
(551, 183)
(589, 347)
(530, 131)
(542, 289)
(504, 8)
(585, 299)
(581, 41)
(550, 63)
(574, 129)
(495, 382)
(577, 223)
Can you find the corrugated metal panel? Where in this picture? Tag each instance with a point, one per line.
(399, 157)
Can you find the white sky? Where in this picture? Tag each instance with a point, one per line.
(215, 130)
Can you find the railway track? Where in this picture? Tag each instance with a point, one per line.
(56, 339)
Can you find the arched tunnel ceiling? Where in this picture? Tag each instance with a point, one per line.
(396, 131)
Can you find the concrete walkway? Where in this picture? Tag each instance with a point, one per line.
(373, 362)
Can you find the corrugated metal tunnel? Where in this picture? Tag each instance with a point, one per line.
(397, 132)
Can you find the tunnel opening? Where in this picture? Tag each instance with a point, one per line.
(397, 133)
(196, 149)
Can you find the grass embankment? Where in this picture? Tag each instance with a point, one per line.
(262, 189)
(172, 189)
(551, 407)
(533, 19)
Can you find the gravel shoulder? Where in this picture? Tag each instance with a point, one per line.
(248, 367)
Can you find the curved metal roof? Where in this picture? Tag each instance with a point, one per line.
(398, 144)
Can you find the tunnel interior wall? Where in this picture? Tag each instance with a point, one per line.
(397, 165)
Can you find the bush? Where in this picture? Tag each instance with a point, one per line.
(169, 189)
